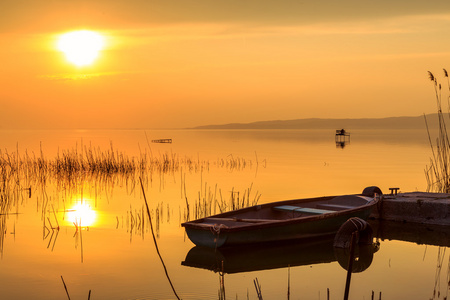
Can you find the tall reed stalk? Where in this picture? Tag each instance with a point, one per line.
(438, 172)
(155, 242)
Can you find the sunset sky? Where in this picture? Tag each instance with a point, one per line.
(172, 64)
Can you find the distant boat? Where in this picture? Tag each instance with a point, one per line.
(169, 141)
(284, 220)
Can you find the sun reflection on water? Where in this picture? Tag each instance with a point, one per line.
(82, 215)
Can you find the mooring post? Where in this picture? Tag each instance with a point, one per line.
(350, 264)
(394, 190)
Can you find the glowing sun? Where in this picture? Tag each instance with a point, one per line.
(81, 47)
(82, 215)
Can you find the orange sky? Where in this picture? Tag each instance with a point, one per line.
(171, 64)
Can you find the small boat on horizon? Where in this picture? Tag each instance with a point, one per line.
(283, 220)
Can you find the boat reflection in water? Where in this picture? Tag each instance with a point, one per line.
(281, 255)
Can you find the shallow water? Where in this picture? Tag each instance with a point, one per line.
(110, 250)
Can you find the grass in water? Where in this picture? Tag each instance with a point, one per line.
(438, 172)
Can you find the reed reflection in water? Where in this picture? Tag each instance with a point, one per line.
(212, 171)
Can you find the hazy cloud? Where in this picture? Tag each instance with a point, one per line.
(17, 14)
(84, 76)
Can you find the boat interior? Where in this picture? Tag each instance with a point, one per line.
(287, 210)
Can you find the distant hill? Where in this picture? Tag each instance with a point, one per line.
(349, 124)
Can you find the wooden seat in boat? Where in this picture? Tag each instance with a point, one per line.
(335, 206)
(307, 210)
(249, 220)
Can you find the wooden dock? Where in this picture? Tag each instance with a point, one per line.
(414, 207)
(163, 141)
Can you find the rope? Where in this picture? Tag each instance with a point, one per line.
(359, 224)
(215, 229)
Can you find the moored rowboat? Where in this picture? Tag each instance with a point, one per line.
(284, 220)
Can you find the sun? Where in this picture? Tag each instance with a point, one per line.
(82, 215)
(81, 47)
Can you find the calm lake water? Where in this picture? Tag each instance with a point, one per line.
(104, 243)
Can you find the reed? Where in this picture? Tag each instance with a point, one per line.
(437, 276)
(155, 242)
(258, 288)
(207, 202)
(222, 295)
(54, 230)
(289, 283)
(65, 287)
(87, 163)
(86, 166)
(438, 172)
(136, 224)
(232, 163)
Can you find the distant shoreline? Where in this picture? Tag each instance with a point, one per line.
(417, 122)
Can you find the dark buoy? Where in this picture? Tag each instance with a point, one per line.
(354, 232)
(343, 237)
(371, 191)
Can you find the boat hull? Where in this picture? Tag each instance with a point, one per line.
(248, 225)
(304, 228)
